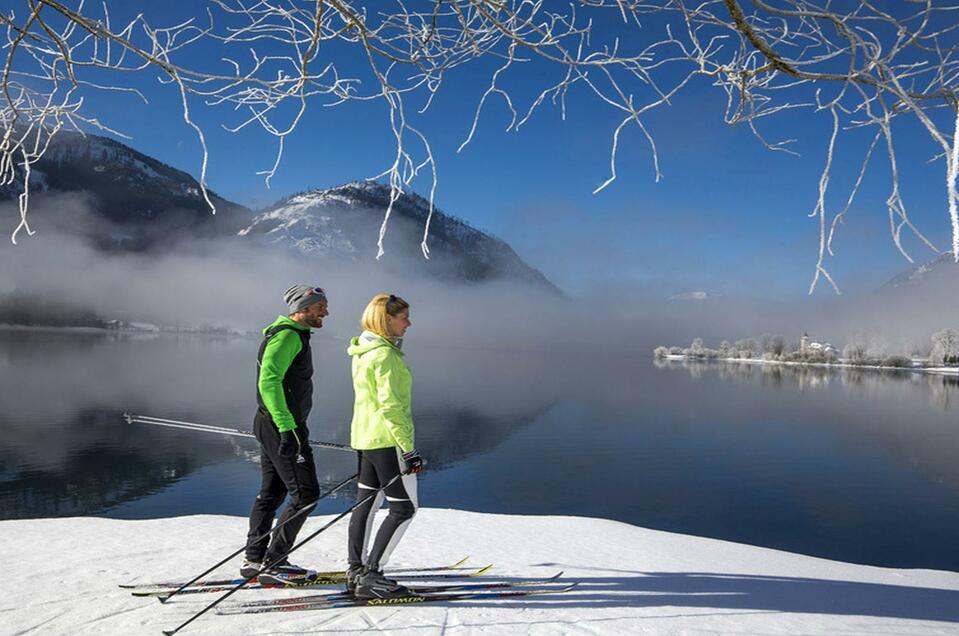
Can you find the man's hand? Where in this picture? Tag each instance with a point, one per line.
(289, 444)
(414, 463)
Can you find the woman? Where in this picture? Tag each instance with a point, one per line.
(382, 433)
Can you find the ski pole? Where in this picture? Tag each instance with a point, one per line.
(206, 428)
(278, 560)
(262, 536)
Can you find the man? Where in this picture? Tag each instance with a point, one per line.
(284, 398)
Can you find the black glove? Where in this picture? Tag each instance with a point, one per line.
(414, 463)
(289, 444)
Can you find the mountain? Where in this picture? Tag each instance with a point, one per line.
(941, 269)
(124, 198)
(344, 222)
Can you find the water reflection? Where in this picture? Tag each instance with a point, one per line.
(96, 462)
(862, 381)
(68, 451)
(849, 464)
(943, 389)
(446, 438)
(877, 405)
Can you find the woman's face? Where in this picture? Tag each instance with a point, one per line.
(399, 323)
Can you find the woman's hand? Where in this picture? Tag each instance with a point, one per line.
(414, 463)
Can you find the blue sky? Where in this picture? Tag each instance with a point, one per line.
(728, 216)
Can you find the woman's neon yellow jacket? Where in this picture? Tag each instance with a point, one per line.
(382, 387)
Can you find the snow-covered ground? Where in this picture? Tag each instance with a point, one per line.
(62, 575)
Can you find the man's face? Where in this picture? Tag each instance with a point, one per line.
(315, 313)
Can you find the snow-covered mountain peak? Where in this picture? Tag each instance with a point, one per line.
(136, 202)
(344, 222)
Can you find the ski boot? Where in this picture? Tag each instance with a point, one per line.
(372, 584)
(352, 576)
(284, 573)
(250, 568)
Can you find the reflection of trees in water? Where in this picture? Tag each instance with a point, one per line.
(865, 381)
(943, 389)
(883, 407)
(111, 463)
(89, 483)
(852, 375)
(694, 367)
(771, 375)
(662, 363)
(860, 381)
(924, 440)
(806, 377)
(739, 371)
(811, 377)
(450, 436)
(74, 455)
(108, 463)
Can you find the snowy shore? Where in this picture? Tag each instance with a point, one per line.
(825, 365)
(65, 572)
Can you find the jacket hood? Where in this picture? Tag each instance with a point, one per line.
(286, 320)
(368, 341)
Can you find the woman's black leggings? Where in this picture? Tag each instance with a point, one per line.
(378, 467)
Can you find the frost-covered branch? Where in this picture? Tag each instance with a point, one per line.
(867, 64)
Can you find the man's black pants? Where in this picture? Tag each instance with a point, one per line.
(295, 476)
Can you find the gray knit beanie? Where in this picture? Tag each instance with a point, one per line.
(299, 297)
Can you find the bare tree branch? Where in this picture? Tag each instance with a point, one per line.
(868, 64)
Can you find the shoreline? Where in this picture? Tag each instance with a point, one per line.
(827, 365)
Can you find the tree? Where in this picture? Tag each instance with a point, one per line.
(945, 347)
(831, 356)
(266, 63)
(764, 343)
(856, 352)
(776, 345)
(697, 348)
(898, 361)
(878, 349)
(725, 349)
(747, 347)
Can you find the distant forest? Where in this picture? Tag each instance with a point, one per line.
(34, 310)
(18, 308)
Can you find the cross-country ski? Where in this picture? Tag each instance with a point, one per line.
(415, 589)
(395, 601)
(307, 581)
(320, 574)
